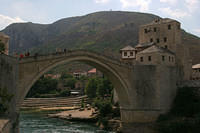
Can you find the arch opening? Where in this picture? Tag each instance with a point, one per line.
(115, 78)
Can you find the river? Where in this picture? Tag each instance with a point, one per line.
(39, 123)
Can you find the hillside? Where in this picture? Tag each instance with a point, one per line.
(100, 31)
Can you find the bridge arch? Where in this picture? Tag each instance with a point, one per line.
(102, 63)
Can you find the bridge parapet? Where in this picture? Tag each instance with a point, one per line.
(73, 53)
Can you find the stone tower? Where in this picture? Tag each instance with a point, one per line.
(166, 33)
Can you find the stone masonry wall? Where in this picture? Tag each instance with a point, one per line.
(8, 80)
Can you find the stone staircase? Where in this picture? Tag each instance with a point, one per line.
(54, 102)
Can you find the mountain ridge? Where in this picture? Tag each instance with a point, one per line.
(106, 31)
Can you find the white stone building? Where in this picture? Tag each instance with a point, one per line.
(196, 72)
(128, 52)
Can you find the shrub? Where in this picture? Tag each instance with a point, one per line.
(5, 98)
(186, 103)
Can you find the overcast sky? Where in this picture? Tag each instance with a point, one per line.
(48, 11)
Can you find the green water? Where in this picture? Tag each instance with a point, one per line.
(39, 123)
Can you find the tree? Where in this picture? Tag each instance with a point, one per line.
(70, 82)
(65, 76)
(91, 88)
(43, 86)
(104, 87)
(5, 98)
(2, 47)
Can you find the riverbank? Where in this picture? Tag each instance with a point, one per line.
(73, 112)
(5, 126)
(88, 115)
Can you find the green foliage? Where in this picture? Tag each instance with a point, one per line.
(184, 116)
(65, 76)
(189, 96)
(182, 125)
(98, 87)
(104, 87)
(5, 98)
(69, 82)
(2, 47)
(43, 86)
(91, 87)
(64, 93)
(104, 106)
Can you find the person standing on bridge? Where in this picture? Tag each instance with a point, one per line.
(21, 56)
(65, 50)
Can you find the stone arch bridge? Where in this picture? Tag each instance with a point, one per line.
(144, 91)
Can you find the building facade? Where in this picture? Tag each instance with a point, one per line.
(160, 44)
(196, 72)
(155, 55)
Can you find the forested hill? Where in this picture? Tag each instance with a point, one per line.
(101, 31)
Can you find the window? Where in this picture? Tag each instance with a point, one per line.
(151, 40)
(165, 39)
(131, 53)
(141, 59)
(169, 27)
(166, 46)
(145, 31)
(158, 40)
(169, 58)
(125, 53)
(149, 58)
(163, 58)
(172, 59)
(178, 27)
(154, 29)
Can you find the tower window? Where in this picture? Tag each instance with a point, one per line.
(141, 59)
(125, 53)
(151, 40)
(131, 53)
(163, 58)
(169, 27)
(169, 58)
(158, 40)
(145, 30)
(154, 29)
(149, 58)
(172, 59)
(165, 39)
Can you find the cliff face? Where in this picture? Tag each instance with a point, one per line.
(102, 31)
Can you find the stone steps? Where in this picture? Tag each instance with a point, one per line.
(53, 102)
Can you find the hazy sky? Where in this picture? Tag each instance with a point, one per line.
(48, 11)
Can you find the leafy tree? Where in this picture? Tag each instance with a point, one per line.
(91, 88)
(69, 82)
(189, 96)
(104, 87)
(2, 47)
(43, 86)
(65, 76)
(104, 106)
(64, 93)
(5, 98)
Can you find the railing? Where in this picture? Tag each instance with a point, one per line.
(75, 52)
